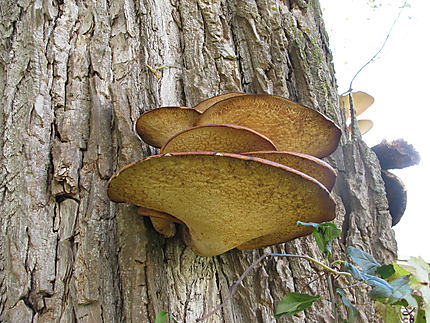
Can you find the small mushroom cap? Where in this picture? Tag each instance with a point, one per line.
(290, 126)
(163, 226)
(162, 222)
(364, 125)
(218, 137)
(362, 101)
(307, 164)
(157, 126)
(206, 104)
(224, 199)
(396, 195)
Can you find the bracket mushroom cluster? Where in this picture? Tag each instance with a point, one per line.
(362, 101)
(396, 154)
(236, 171)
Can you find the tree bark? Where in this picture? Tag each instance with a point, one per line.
(74, 77)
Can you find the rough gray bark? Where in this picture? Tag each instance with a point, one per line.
(74, 77)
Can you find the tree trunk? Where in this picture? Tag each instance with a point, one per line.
(74, 77)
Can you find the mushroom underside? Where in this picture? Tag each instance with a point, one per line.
(225, 200)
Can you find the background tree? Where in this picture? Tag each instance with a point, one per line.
(74, 77)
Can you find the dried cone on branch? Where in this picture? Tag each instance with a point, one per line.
(224, 196)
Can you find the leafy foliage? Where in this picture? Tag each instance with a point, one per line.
(352, 311)
(293, 303)
(401, 290)
(363, 260)
(161, 317)
(324, 233)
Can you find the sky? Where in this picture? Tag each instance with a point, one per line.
(398, 80)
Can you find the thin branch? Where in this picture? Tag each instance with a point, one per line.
(350, 286)
(236, 284)
(233, 289)
(380, 49)
(333, 298)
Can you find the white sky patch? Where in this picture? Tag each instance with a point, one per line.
(398, 79)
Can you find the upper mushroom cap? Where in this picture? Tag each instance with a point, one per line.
(206, 104)
(362, 101)
(225, 200)
(218, 138)
(157, 126)
(309, 165)
(290, 126)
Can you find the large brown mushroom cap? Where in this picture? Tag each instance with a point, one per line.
(218, 138)
(309, 165)
(224, 199)
(206, 104)
(362, 101)
(157, 126)
(291, 126)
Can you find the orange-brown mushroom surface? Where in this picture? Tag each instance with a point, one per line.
(309, 165)
(362, 101)
(290, 126)
(224, 200)
(206, 104)
(218, 138)
(157, 126)
(364, 126)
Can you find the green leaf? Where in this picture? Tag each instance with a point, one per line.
(389, 313)
(400, 289)
(293, 303)
(399, 271)
(385, 271)
(376, 281)
(352, 310)
(385, 288)
(363, 259)
(161, 317)
(356, 274)
(324, 233)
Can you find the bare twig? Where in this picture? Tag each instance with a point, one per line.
(234, 287)
(380, 49)
(236, 284)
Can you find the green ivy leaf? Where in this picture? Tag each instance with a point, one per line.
(323, 233)
(400, 290)
(389, 313)
(293, 303)
(385, 288)
(161, 317)
(352, 310)
(363, 259)
(385, 271)
(356, 274)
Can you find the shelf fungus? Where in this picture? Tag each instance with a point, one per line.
(157, 126)
(310, 165)
(396, 195)
(225, 200)
(236, 171)
(362, 101)
(290, 125)
(218, 138)
(364, 125)
(206, 104)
